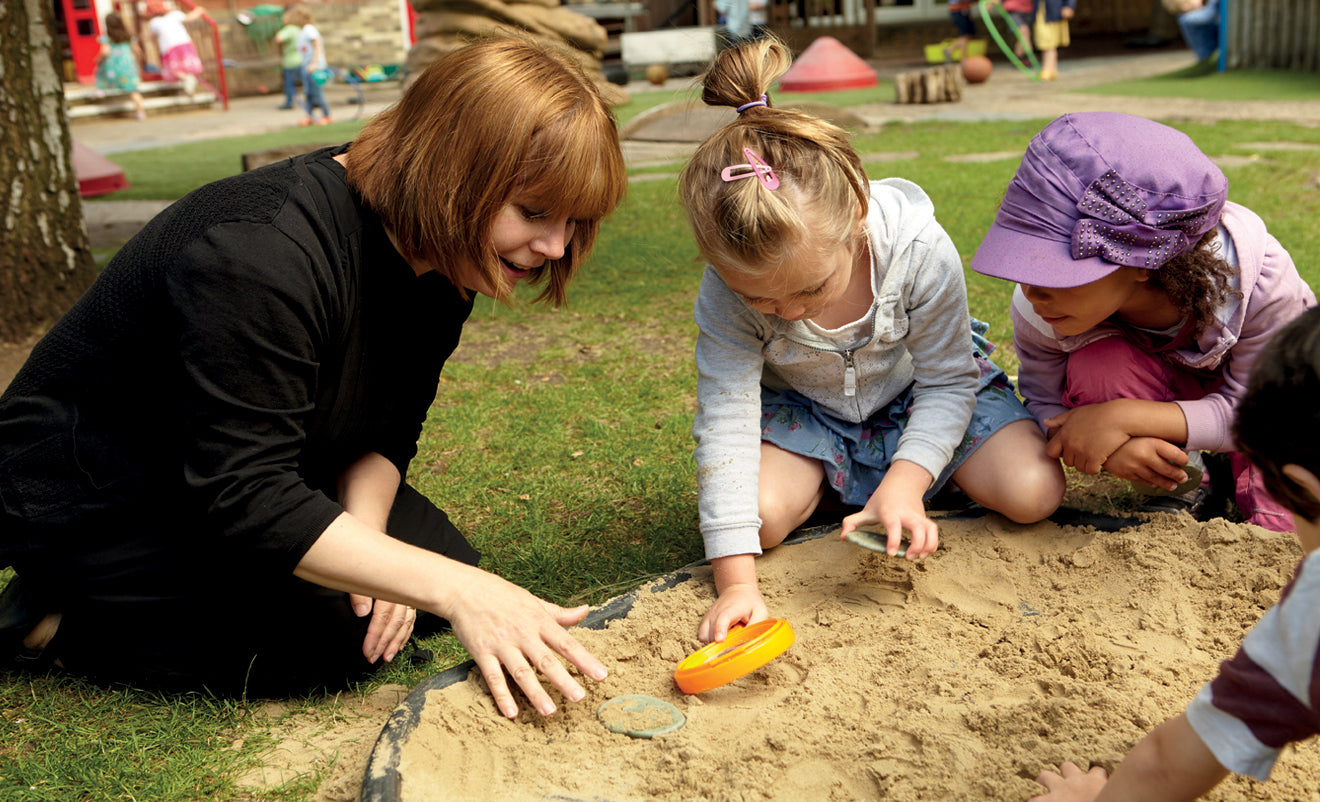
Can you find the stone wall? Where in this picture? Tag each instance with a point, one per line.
(354, 31)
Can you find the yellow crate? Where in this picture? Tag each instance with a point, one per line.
(935, 52)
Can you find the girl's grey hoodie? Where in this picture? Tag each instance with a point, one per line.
(916, 334)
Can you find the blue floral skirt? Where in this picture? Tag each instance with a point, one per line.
(856, 456)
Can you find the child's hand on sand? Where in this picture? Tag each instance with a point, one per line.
(1149, 461)
(1071, 784)
(737, 604)
(1084, 437)
(896, 505)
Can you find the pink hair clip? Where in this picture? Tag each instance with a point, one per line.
(755, 166)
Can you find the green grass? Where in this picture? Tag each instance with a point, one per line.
(559, 440)
(171, 172)
(1194, 82)
(64, 739)
(882, 92)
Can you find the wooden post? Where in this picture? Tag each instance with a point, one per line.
(940, 84)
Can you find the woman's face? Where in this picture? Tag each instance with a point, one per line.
(524, 237)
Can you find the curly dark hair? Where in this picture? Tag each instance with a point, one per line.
(1197, 282)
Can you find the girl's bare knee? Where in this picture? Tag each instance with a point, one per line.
(772, 535)
(779, 518)
(775, 526)
(1037, 492)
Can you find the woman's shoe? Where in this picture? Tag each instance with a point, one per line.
(1048, 75)
(25, 628)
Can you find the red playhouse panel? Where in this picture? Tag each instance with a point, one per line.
(825, 66)
(82, 26)
(97, 175)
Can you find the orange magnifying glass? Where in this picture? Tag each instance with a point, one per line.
(742, 651)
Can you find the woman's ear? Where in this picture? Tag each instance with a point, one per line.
(1309, 481)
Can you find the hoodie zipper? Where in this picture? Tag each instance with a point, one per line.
(849, 375)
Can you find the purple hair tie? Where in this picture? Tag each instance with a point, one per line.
(762, 102)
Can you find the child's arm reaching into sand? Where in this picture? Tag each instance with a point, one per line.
(739, 599)
(896, 505)
(1170, 764)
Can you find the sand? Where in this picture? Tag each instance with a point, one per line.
(957, 678)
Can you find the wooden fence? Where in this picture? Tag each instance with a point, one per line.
(1272, 34)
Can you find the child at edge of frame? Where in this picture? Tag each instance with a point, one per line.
(835, 351)
(1144, 297)
(1265, 696)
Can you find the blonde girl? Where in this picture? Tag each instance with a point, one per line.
(835, 351)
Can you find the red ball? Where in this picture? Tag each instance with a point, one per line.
(976, 69)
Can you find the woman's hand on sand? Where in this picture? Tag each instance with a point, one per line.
(390, 628)
(1150, 461)
(737, 604)
(896, 505)
(506, 628)
(1071, 784)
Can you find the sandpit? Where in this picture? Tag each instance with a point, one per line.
(957, 678)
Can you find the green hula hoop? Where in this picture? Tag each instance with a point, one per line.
(983, 5)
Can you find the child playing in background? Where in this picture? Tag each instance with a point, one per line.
(1143, 300)
(835, 349)
(312, 52)
(117, 63)
(1199, 22)
(291, 61)
(1023, 14)
(1051, 33)
(1265, 697)
(960, 14)
(178, 55)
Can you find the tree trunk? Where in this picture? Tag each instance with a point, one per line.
(45, 259)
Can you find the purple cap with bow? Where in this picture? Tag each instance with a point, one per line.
(1098, 190)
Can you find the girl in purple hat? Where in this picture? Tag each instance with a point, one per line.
(835, 353)
(1143, 298)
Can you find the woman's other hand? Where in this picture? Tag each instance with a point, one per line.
(391, 626)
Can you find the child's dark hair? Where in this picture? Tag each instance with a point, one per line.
(115, 29)
(1278, 420)
(1197, 282)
